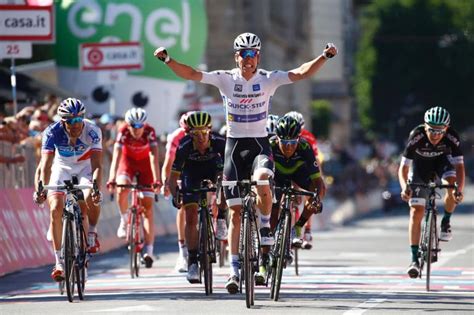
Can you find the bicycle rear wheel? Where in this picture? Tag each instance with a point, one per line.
(282, 255)
(295, 261)
(69, 259)
(429, 253)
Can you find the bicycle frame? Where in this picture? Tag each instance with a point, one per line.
(429, 240)
(206, 235)
(249, 236)
(280, 250)
(73, 243)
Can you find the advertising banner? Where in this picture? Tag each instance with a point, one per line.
(179, 25)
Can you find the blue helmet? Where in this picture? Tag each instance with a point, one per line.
(71, 107)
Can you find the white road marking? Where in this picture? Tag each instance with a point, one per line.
(363, 307)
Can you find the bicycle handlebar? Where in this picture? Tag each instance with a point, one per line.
(260, 182)
(133, 186)
(432, 185)
(298, 192)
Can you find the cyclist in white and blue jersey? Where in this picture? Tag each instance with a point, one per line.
(246, 92)
(71, 146)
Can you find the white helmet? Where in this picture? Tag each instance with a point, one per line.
(271, 124)
(246, 41)
(136, 117)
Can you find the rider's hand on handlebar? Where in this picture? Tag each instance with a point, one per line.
(39, 197)
(157, 186)
(96, 197)
(458, 197)
(175, 203)
(111, 185)
(406, 194)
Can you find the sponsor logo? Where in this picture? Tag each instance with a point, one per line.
(238, 88)
(428, 154)
(245, 105)
(256, 87)
(94, 136)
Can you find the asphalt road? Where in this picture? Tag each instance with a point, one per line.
(354, 269)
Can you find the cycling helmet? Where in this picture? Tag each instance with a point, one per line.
(288, 128)
(182, 120)
(437, 116)
(199, 119)
(71, 107)
(247, 41)
(298, 116)
(136, 117)
(271, 124)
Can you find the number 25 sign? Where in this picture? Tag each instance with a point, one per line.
(15, 50)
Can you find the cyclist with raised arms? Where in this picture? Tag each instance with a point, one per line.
(136, 151)
(200, 156)
(172, 143)
(71, 146)
(246, 92)
(433, 151)
(313, 142)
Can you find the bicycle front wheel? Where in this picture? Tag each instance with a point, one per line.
(69, 258)
(431, 224)
(248, 269)
(134, 262)
(81, 261)
(204, 254)
(282, 254)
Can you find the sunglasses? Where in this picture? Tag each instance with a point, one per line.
(289, 141)
(244, 53)
(137, 126)
(74, 120)
(436, 131)
(197, 132)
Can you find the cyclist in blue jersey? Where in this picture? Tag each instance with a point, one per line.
(71, 146)
(246, 92)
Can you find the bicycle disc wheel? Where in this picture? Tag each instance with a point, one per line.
(132, 245)
(80, 265)
(282, 255)
(247, 266)
(429, 253)
(69, 260)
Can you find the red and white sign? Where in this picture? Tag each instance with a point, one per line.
(27, 23)
(15, 50)
(111, 56)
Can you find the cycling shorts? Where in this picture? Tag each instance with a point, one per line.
(60, 174)
(422, 171)
(191, 179)
(243, 157)
(128, 168)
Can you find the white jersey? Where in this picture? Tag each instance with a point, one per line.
(246, 102)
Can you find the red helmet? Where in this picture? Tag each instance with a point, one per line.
(182, 120)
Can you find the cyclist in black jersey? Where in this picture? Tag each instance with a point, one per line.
(294, 161)
(432, 152)
(199, 156)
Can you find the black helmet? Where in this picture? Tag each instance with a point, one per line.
(199, 119)
(288, 127)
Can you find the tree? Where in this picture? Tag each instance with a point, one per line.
(414, 54)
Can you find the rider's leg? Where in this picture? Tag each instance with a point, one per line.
(233, 239)
(449, 206)
(148, 224)
(192, 239)
(416, 216)
(181, 225)
(56, 204)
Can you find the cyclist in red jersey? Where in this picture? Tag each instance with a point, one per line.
(136, 150)
(313, 142)
(172, 144)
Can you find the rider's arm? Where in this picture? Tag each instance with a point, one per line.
(155, 163)
(166, 170)
(310, 68)
(181, 70)
(115, 161)
(96, 165)
(173, 182)
(46, 162)
(403, 173)
(318, 183)
(460, 175)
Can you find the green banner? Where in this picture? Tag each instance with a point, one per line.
(178, 25)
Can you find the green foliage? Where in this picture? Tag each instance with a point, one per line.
(320, 117)
(414, 54)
